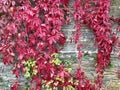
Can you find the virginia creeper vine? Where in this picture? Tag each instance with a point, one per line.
(31, 35)
(96, 16)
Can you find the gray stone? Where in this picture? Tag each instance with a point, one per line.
(88, 64)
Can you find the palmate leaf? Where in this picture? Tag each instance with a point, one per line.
(55, 55)
(27, 75)
(57, 61)
(35, 72)
(69, 88)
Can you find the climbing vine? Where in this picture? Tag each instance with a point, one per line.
(31, 37)
(30, 31)
(96, 16)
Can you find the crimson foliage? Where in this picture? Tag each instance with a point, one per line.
(31, 29)
(95, 14)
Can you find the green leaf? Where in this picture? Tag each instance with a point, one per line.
(27, 69)
(85, 54)
(55, 55)
(95, 57)
(27, 75)
(84, 57)
(1, 79)
(69, 69)
(111, 64)
(33, 63)
(48, 88)
(73, 56)
(35, 72)
(57, 61)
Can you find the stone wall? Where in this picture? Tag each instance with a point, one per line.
(6, 76)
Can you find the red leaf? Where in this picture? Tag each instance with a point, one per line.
(16, 72)
(15, 86)
(62, 40)
(65, 2)
(7, 59)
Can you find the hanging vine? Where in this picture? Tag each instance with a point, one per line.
(30, 32)
(96, 16)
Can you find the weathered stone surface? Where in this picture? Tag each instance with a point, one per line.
(115, 2)
(70, 49)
